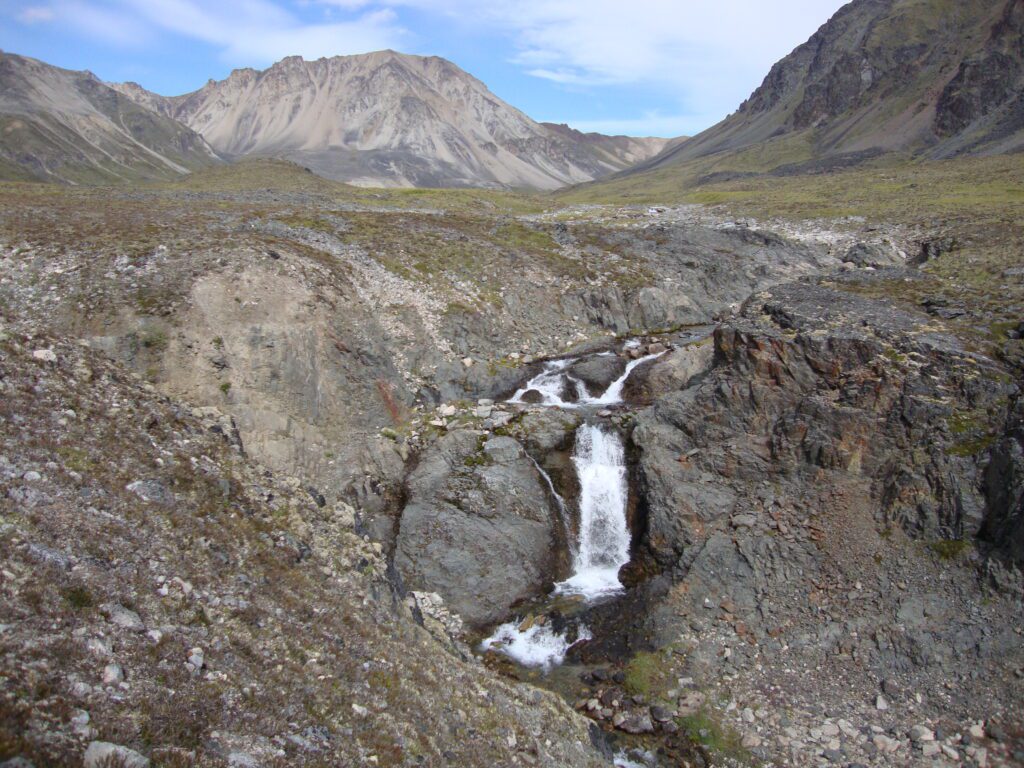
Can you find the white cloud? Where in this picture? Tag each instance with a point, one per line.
(256, 32)
(704, 56)
(35, 14)
(247, 32)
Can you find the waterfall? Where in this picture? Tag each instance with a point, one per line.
(613, 394)
(601, 549)
(603, 544)
(551, 382)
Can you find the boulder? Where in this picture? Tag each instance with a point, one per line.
(874, 255)
(102, 754)
(479, 528)
(598, 371)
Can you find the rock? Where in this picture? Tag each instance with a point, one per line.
(743, 521)
(637, 722)
(197, 658)
(113, 674)
(17, 762)
(242, 760)
(124, 618)
(447, 411)
(929, 749)
(920, 733)
(103, 754)
(479, 527)
(151, 490)
(467, 361)
(874, 255)
(31, 476)
(660, 714)
(597, 372)
(881, 703)
(45, 355)
(885, 744)
(483, 411)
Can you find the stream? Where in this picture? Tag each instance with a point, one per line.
(601, 547)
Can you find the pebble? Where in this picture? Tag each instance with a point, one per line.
(113, 674)
(881, 703)
(196, 658)
(45, 355)
(125, 618)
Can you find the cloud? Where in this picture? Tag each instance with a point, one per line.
(705, 56)
(35, 14)
(246, 32)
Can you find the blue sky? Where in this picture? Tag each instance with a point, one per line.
(640, 67)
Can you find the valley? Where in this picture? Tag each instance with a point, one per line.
(349, 416)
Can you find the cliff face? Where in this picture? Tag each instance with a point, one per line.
(391, 119)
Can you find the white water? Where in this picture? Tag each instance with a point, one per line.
(537, 646)
(553, 380)
(601, 549)
(603, 546)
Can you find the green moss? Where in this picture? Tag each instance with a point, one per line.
(704, 728)
(79, 598)
(968, 448)
(643, 673)
(154, 339)
(948, 549)
(225, 387)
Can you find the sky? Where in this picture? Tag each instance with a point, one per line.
(636, 67)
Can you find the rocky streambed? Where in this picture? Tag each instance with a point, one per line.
(821, 566)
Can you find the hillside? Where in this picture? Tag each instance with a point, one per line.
(389, 119)
(61, 125)
(929, 78)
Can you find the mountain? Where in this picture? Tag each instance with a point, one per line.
(935, 78)
(61, 125)
(391, 119)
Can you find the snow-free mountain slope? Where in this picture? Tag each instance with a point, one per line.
(61, 125)
(387, 118)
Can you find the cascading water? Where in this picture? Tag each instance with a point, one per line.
(602, 548)
(550, 383)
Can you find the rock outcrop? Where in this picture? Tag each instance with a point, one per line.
(478, 527)
(217, 614)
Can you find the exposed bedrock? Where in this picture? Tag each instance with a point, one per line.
(479, 527)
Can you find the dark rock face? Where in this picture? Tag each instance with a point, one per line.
(478, 528)
(1004, 489)
(824, 389)
(987, 81)
(849, 88)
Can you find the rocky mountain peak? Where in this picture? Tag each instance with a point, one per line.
(393, 119)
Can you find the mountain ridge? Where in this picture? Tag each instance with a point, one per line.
(932, 78)
(62, 125)
(392, 119)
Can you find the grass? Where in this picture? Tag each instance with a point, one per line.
(948, 549)
(704, 728)
(893, 187)
(644, 674)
